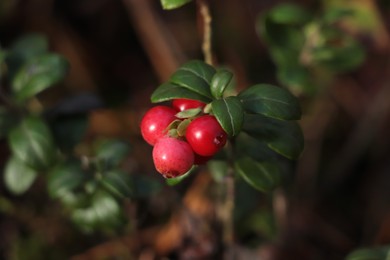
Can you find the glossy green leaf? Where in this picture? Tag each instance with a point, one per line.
(111, 152)
(38, 74)
(182, 127)
(219, 82)
(195, 76)
(168, 91)
(177, 180)
(283, 137)
(257, 149)
(18, 177)
(173, 4)
(375, 253)
(31, 143)
(229, 113)
(263, 176)
(270, 101)
(65, 178)
(118, 183)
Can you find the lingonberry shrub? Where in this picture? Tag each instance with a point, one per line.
(205, 135)
(257, 123)
(172, 157)
(155, 122)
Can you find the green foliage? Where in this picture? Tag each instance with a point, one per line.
(173, 4)
(258, 120)
(18, 177)
(306, 49)
(375, 253)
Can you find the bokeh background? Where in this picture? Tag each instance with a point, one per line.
(337, 199)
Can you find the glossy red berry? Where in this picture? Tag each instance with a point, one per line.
(172, 157)
(155, 122)
(182, 104)
(205, 135)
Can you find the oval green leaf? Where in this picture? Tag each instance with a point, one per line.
(38, 74)
(118, 183)
(263, 176)
(169, 91)
(111, 152)
(31, 143)
(173, 4)
(65, 178)
(375, 253)
(229, 113)
(283, 137)
(270, 101)
(177, 180)
(18, 177)
(219, 82)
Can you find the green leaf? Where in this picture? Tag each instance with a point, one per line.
(229, 113)
(31, 143)
(257, 149)
(145, 186)
(375, 253)
(38, 74)
(177, 180)
(111, 152)
(182, 127)
(336, 13)
(7, 121)
(103, 213)
(172, 4)
(283, 137)
(219, 82)
(289, 14)
(270, 101)
(65, 178)
(118, 183)
(218, 169)
(263, 176)
(194, 76)
(189, 113)
(168, 91)
(18, 177)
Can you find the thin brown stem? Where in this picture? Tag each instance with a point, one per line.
(206, 44)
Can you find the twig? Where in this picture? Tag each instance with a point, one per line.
(206, 44)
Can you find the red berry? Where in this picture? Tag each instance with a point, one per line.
(155, 122)
(205, 135)
(172, 157)
(182, 104)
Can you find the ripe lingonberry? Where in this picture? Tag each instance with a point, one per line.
(205, 135)
(172, 157)
(155, 122)
(182, 104)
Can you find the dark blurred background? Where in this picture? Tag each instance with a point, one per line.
(120, 51)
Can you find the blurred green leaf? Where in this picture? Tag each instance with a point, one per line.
(263, 176)
(270, 101)
(229, 113)
(288, 13)
(375, 253)
(18, 177)
(65, 178)
(38, 74)
(336, 13)
(196, 76)
(103, 213)
(218, 169)
(118, 183)
(111, 152)
(31, 142)
(168, 91)
(283, 137)
(7, 121)
(189, 113)
(219, 82)
(145, 186)
(297, 78)
(25, 48)
(172, 4)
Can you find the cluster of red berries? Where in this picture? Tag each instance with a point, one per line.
(175, 155)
